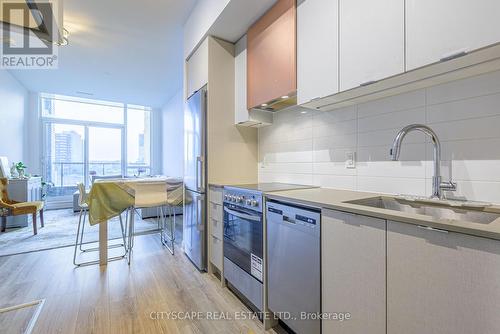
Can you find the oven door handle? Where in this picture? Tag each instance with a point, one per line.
(242, 215)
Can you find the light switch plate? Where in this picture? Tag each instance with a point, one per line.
(350, 160)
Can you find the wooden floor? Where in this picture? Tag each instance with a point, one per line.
(120, 298)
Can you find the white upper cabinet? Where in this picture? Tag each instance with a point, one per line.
(197, 69)
(317, 49)
(240, 81)
(439, 29)
(372, 43)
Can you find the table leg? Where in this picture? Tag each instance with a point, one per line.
(103, 243)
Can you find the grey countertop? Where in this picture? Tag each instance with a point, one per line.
(335, 199)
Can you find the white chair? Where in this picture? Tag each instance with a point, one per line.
(82, 198)
(154, 195)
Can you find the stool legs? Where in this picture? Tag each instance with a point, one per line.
(79, 241)
(164, 237)
(78, 235)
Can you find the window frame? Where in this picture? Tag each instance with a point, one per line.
(47, 120)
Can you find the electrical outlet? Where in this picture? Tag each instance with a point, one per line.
(350, 160)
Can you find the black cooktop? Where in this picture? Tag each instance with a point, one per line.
(270, 187)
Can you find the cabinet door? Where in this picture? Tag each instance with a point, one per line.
(197, 69)
(371, 41)
(353, 272)
(441, 282)
(317, 49)
(437, 29)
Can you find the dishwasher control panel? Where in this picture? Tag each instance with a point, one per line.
(302, 218)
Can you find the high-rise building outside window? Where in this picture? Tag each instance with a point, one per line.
(85, 138)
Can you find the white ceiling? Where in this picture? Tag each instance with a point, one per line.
(119, 50)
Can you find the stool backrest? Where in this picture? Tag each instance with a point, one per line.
(82, 195)
(105, 177)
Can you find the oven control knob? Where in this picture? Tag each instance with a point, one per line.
(238, 199)
(232, 198)
(248, 202)
(254, 203)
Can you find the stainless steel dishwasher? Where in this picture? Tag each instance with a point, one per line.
(294, 273)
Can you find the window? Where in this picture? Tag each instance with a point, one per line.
(78, 109)
(85, 138)
(64, 154)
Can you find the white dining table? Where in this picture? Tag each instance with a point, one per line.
(146, 193)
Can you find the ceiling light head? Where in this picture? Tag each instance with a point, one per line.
(264, 105)
(285, 97)
(303, 112)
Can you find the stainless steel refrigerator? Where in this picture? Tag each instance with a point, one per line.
(195, 157)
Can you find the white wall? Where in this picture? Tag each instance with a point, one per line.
(173, 136)
(309, 147)
(33, 135)
(156, 141)
(13, 108)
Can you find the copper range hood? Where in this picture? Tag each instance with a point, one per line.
(272, 59)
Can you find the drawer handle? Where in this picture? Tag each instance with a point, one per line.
(428, 228)
(454, 55)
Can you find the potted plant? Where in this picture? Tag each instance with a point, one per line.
(20, 167)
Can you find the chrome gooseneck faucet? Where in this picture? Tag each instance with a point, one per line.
(437, 185)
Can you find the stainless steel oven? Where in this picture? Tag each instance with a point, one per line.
(243, 243)
(243, 238)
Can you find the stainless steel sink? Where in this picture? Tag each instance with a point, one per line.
(436, 211)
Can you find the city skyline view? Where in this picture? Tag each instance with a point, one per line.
(68, 148)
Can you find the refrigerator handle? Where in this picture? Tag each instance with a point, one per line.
(197, 173)
(199, 215)
(200, 173)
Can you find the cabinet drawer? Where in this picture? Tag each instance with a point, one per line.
(215, 211)
(215, 195)
(216, 257)
(217, 226)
